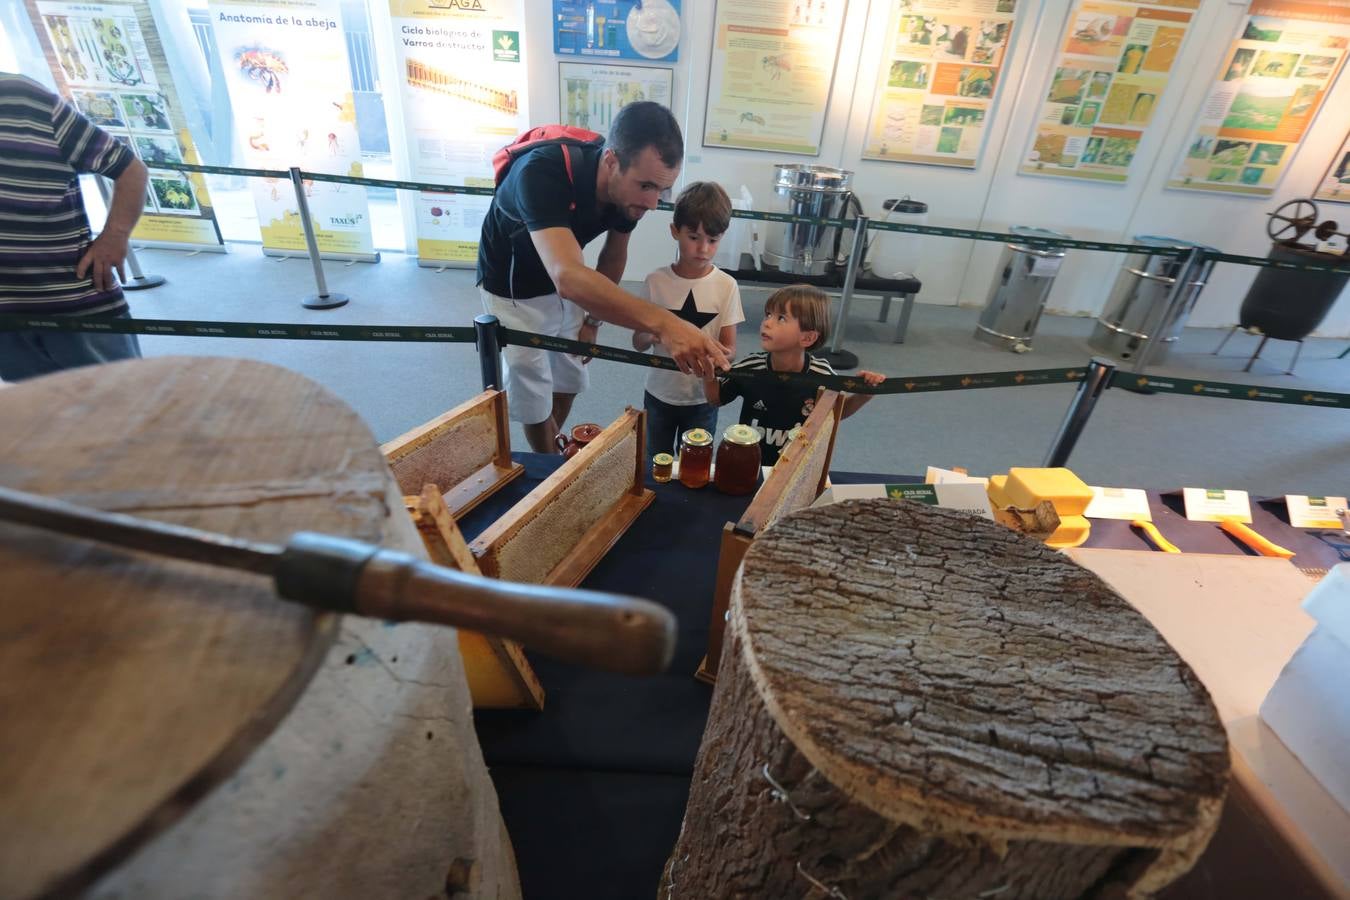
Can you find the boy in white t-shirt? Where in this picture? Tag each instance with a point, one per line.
(698, 292)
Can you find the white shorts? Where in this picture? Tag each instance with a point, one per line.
(533, 376)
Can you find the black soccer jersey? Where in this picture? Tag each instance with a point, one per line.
(772, 407)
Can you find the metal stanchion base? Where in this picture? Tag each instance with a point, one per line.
(142, 282)
(317, 301)
(840, 359)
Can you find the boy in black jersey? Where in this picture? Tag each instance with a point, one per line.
(796, 321)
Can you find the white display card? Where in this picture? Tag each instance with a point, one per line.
(1208, 505)
(1127, 504)
(1314, 512)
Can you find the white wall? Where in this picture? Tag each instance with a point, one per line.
(995, 196)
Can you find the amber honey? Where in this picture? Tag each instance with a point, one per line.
(738, 459)
(696, 456)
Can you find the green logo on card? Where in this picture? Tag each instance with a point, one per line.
(919, 493)
(1317, 501)
(506, 46)
(1215, 495)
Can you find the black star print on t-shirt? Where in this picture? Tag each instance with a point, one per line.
(689, 312)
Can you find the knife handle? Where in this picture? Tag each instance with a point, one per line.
(1155, 536)
(1261, 545)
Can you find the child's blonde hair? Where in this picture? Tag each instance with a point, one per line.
(810, 306)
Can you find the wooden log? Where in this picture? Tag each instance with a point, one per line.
(917, 703)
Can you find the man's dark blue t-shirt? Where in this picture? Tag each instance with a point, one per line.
(537, 194)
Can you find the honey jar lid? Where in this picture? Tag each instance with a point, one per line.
(696, 437)
(741, 434)
(663, 459)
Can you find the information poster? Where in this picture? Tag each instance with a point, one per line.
(286, 72)
(1335, 184)
(617, 29)
(1269, 88)
(463, 89)
(772, 66)
(590, 95)
(1113, 67)
(936, 89)
(107, 59)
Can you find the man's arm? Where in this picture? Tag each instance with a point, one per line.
(613, 256)
(109, 250)
(692, 350)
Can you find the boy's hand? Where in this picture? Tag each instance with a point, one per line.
(871, 378)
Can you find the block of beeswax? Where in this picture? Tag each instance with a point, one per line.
(1027, 487)
(998, 494)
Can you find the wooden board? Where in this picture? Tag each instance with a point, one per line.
(794, 483)
(131, 685)
(1237, 620)
(499, 675)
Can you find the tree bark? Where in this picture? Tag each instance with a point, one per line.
(950, 710)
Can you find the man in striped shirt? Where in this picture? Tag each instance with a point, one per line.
(48, 263)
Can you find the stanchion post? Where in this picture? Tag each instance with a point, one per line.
(837, 355)
(138, 281)
(1177, 295)
(1080, 409)
(324, 299)
(487, 336)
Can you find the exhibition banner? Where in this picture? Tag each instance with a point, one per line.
(108, 60)
(285, 65)
(617, 29)
(590, 95)
(463, 86)
(1269, 88)
(1114, 64)
(770, 74)
(938, 80)
(1335, 185)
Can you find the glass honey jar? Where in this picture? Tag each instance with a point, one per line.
(696, 456)
(662, 463)
(738, 459)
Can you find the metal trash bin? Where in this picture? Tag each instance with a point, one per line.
(1144, 284)
(819, 192)
(1017, 296)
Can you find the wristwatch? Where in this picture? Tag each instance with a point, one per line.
(593, 321)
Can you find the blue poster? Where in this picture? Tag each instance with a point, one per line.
(617, 29)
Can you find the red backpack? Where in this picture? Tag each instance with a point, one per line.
(565, 136)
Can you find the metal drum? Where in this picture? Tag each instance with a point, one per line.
(1017, 296)
(814, 191)
(1142, 289)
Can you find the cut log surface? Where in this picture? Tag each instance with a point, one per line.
(132, 685)
(949, 709)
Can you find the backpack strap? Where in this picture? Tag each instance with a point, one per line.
(567, 163)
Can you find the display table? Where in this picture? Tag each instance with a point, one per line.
(593, 788)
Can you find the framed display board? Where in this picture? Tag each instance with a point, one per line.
(1335, 185)
(617, 29)
(770, 74)
(591, 94)
(939, 80)
(1268, 90)
(1114, 64)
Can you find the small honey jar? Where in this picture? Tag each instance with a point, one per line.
(696, 456)
(662, 463)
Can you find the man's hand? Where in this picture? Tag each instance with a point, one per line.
(694, 352)
(107, 252)
(586, 335)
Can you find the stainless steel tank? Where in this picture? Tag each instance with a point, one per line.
(1141, 293)
(814, 191)
(1017, 297)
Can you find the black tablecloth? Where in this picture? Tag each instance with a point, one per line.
(593, 788)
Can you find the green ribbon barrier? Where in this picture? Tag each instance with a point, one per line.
(1040, 243)
(1259, 393)
(917, 384)
(275, 330)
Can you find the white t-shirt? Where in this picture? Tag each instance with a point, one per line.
(691, 298)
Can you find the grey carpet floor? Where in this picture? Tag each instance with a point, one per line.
(1159, 441)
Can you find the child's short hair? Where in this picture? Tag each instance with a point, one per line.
(704, 204)
(810, 306)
